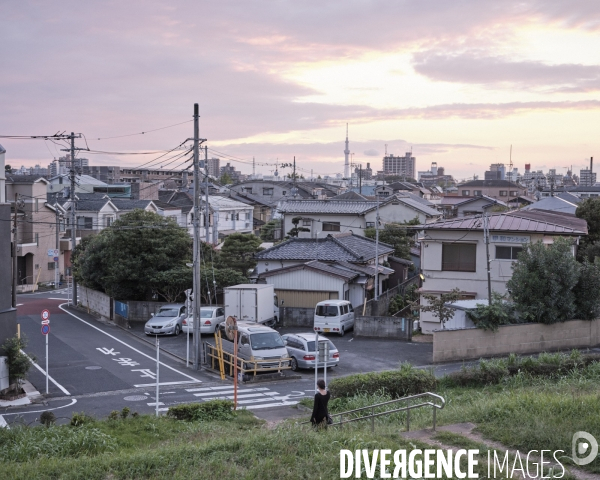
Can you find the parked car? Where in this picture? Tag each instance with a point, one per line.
(210, 318)
(335, 316)
(167, 321)
(301, 347)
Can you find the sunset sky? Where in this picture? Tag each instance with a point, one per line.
(458, 81)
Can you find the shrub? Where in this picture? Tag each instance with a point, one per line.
(18, 363)
(47, 419)
(114, 415)
(206, 411)
(79, 419)
(125, 412)
(395, 383)
(490, 317)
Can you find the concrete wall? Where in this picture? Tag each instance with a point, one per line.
(8, 315)
(140, 311)
(297, 317)
(384, 327)
(452, 345)
(95, 301)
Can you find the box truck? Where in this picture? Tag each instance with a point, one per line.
(254, 303)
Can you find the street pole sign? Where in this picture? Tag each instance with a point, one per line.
(45, 331)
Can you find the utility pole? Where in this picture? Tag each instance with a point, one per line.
(15, 239)
(206, 207)
(56, 263)
(377, 247)
(253, 168)
(486, 237)
(196, 263)
(360, 179)
(294, 189)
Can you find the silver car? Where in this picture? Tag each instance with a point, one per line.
(210, 318)
(301, 347)
(167, 321)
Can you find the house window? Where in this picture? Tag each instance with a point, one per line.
(235, 217)
(466, 193)
(459, 257)
(306, 222)
(370, 224)
(331, 226)
(347, 295)
(514, 193)
(247, 216)
(267, 191)
(51, 265)
(247, 189)
(383, 194)
(507, 253)
(284, 192)
(477, 193)
(503, 193)
(108, 221)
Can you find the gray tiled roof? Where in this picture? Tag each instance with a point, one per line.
(491, 183)
(420, 207)
(327, 206)
(555, 204)
(345, 247)
(91, 205)
(11, 178)
(350, 195)
(314, 265)
(127, 204)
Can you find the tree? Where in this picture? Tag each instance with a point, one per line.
(587, 299)
(589, 246)
(18, 363)
(437, 305)
(172, 284)
(7, 169)
(297, 229)
(267, 232)
(543, 280)
(238, 252)
(225, 179)
(396, 235)
(491, 316)
(214, 280)
(125, 259)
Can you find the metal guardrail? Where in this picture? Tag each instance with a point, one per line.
(431, 403)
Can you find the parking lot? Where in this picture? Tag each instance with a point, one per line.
(357, 355)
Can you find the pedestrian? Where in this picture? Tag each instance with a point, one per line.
(320, 415)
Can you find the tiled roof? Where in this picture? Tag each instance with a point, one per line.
(91, 205)
(419, 206)
(327, 206)
(350, 195)
(585, 189)
(569, 198)
(554, 204)
(10, 178)
(534, 221)
(127, 204)
(314, 265)
(491, 183)
(346, 247)
(365, 269)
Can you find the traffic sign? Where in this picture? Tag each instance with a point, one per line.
(45, 329)
(45, 314)
(56, 259)
(45, 322)
(51, 253)
(55, 252)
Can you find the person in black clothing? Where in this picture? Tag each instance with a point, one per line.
(320, 412)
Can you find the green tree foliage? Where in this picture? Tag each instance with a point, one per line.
(543, 280)
(436, 305)
(587, 298)
(490, 317)
(7, 169)
(225, 179)
(267, 231)
(589, 210)
(215, 280)
(173, 283)
(297, 228)
(238, 252)
(126, 259)
(18, 363)
(396, 235)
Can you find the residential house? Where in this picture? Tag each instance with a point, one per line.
(583, 191)
(40, 225)
(8, 313)
(453, 252)
(272, 192)
(127, 205)
(554, 204)
(230, 216)
(354, 255)
(478, 205)
(322, 217)
(83, 184)
(91, 215)
(498, 189)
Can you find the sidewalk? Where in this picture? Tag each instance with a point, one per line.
(32, 395)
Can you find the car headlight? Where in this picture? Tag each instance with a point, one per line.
(284, 356)
(170, 324)
(258, 358)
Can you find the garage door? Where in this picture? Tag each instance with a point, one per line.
(303, 298)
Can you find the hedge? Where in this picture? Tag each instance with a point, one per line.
(396, 383)
(205, 411)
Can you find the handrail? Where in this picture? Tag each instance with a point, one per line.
(408, 408)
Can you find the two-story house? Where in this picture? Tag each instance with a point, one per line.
(453, 252)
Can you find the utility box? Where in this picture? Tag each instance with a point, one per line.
(4, 382)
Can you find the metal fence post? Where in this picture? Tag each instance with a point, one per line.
(373, 419)
(434, 414)
(408, 418)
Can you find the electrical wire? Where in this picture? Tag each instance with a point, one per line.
(147, 131)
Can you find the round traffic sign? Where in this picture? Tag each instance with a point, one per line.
(45, 329)
(45, 314)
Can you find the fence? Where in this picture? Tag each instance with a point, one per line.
(244, 367)
(379, 307)
(384, 327)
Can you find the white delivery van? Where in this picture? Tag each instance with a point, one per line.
(334, 316)
(257, 342)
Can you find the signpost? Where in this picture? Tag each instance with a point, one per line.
(45, 332)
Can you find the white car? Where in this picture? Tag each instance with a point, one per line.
(210, 318)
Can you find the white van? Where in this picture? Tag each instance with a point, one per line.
(257, 342)
(336, 316)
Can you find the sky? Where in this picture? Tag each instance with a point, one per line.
(457, 82)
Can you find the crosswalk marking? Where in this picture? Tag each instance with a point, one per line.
(229, 391)
(207, 389)
(268, 405)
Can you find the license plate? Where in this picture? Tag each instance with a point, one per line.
(326, 330)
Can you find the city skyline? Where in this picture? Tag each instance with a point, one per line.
(456, 82)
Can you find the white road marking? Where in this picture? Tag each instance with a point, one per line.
(268, 405)
(153, 404)
(73, 402)
(264, 396)
(229, 391)
(64, 390)
(127, 345)
(3, 423)
(19, 304)
(207, 389)
(184, 382)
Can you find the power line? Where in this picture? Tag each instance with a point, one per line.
(147, 131)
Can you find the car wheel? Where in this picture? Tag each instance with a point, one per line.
(177, 330)
(294, 364)
(342, 332)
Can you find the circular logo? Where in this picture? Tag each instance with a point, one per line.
(581, 448)
(45, 314)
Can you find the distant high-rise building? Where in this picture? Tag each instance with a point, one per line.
(400, 166)
(63, 165)
(587, 178)
(497, 171)
(214, 167)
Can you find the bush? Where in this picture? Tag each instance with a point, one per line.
(79, 419)
(114, 415)
(490, 317)
(206, 411)
(395, 383)
(47, 419)
(125, 412)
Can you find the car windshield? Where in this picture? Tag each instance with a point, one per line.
(168, 312)
(311, 345)
(266, 341)
(327, 311)
(206, 313)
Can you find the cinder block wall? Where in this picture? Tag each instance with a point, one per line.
(384, 327)
(96, 301)
(462, 344)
